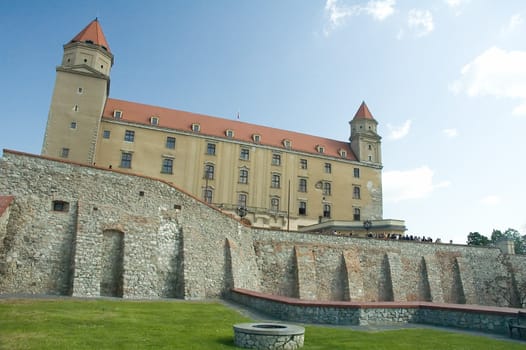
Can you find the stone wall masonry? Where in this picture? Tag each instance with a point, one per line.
(471, 317)
(390, 270)
(168, 252)
(163, 243)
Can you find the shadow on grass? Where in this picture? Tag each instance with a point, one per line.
(227, 341)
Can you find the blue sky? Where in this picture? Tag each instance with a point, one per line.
(445, 79)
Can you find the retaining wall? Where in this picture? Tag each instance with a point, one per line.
(136, 237)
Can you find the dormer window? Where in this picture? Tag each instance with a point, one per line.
(320, 148)
(256, 138)
(196, 127)
(287, 144)
(117, 114)
(229, 133)
(154, 120)
(343, 153)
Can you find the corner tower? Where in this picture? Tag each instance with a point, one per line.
(365, 141)
(81, 88)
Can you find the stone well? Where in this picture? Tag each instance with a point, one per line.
(268, 336)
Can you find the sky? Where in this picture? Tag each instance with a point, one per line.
(445, 79)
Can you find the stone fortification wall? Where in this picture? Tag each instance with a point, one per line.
(86, 231)
(168, 243)
(324, 267)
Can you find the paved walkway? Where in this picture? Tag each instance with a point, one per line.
(260, 317)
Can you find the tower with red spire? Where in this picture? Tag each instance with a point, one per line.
(81, 89)
(365, 141)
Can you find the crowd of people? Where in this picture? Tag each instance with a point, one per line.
(398, 236)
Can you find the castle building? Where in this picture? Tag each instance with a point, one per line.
(273, 178)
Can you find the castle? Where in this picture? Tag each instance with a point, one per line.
(278, 178)
(86, 219)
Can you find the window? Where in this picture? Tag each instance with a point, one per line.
(356, 214)
(302, 208)
(167, 167)
(303, 163)
(229, 133)
(73, 125)
(60, 206)
(75, 108)
(276, 159)
(196, 127)
(117, 114)
(209, 172)
(287, 144)
(327, 188)
(79, 91)
(126, 160)
(320, 149)
(170, 142)
(356, 192)
(326, 210)
(207, 195)
(244, 155)
(275, 181)
(242, 200)
(302, 185)
(243, 176)
(274, 204)
(106, 134)
(154, 120)
(64, 153)
(328, 168)
(343, 153)
(129, 135)
(369, 147)
(370, 158)
(211, 149)
(256, 138)
(357, 172)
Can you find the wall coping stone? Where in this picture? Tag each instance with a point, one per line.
(466, 308)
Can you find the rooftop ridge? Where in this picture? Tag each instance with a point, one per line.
(180, 120)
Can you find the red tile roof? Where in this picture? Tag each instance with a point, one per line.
(363, 112)
(5, 201)
(92, 32)
(212, 126)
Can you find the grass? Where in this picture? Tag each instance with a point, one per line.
(115, 324)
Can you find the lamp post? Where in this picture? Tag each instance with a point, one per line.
(367, 224)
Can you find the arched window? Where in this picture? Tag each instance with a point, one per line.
(356, 192)
(326, 210)
(209, 172)
(275, 181)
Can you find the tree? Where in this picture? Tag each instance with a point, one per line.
(475, 238)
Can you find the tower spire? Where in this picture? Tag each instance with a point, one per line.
(92, 34)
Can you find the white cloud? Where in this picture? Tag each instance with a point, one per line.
(410, 184)
(495, 72)
(420, 21)
(380, 10)
(513, 24)
(491, 200)
(450, 132)
(399, 132)
(338, 14)
(456, 5)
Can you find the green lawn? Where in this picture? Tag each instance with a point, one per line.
(107, 324)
